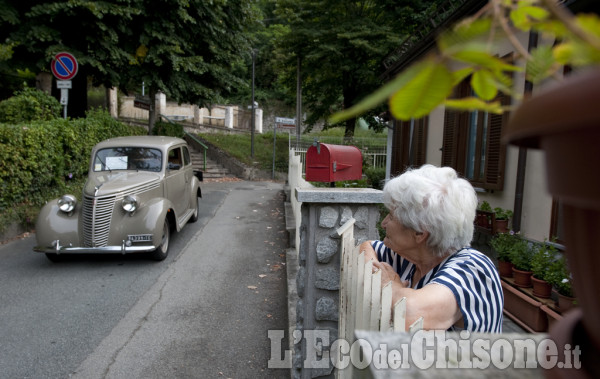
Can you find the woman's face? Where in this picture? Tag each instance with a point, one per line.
(397, 237)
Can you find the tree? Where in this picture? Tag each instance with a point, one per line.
(188, 49)
(341, 45)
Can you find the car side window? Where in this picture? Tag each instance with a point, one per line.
(174, 160)
(186, 156)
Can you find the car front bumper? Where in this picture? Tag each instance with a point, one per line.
(125, 248)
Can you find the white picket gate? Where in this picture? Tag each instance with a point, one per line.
(364, 304)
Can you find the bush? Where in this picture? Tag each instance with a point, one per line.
(375, 176)
(503, 244)
(170, 129)
(38, 159)
(28, 105)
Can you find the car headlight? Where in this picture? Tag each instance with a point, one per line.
(67, 203)
(130, 203)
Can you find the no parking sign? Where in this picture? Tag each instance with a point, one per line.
(64, 66)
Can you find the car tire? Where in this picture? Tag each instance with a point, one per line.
(162, 250)
(55, 257)
(194, 217)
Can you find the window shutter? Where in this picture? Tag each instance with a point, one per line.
(420, 142)
(495, 150)
(450, 140)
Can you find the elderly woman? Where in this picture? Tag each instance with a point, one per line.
(426, 253)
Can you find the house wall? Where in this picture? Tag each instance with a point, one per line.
(537, 202)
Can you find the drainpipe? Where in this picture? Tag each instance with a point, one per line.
(522, 162)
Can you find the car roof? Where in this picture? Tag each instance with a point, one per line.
(159, 142)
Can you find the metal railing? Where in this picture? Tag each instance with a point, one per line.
(193, 137)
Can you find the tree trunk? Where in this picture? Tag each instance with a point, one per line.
(349, 100)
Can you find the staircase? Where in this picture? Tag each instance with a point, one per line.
(214, 170)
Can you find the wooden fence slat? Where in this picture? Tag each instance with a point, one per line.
(375, 301)
(368, 281)
(416, 326)
(359, 290)
(400, 315)
(386, 308)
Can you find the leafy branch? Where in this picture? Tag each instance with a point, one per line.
(467, 50)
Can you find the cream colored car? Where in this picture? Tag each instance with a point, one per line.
(139, 190)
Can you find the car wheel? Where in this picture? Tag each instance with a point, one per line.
(162, 250)
(55, 257)
(194, 217)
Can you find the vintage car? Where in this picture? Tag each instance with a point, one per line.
(139, 190)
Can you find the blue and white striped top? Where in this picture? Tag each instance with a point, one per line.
(469, 274)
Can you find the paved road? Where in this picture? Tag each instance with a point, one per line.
(202, 313)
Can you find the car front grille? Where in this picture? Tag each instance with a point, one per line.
(97, 213)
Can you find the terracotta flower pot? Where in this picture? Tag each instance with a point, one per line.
(501, 226)
(505, 269)
(564, 121)
(541, 288)
(564, 303)
(522, 278)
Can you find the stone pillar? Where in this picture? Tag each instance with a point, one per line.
(229, 117)
(323, 211)
(161, 104)
(258, 120)
(113, 105)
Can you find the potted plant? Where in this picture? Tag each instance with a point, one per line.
(559, 277)
(502, 244)
(482, 218)
(502, 217)
(544, 255)
(520, 256)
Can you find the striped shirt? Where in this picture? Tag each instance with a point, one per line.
(469, 274)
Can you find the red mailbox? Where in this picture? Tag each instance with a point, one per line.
(333, 163)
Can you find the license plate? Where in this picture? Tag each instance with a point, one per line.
(140, 237)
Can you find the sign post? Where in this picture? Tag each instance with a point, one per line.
(64, 67)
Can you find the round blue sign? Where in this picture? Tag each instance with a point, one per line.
(64, 66)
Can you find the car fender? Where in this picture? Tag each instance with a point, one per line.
(53, 224)
(152, 214)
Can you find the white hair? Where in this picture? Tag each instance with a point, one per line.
(436, 200)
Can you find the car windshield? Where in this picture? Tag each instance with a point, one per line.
(128, 158)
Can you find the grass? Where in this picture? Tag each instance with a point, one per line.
(239, 145)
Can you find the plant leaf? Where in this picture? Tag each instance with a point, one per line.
(460, 75)
(540, 65)
(425, 91)
(484, 59)
(524, 16)
(473, 103)
(484, 84)
(380, 95)
(464, 33)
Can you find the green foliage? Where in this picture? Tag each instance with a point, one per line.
(162, 128)
(503, 214)
(503, 244)
(543, 258)
(340, 45)
(192, 50)
(520, 255)
(239, 146)
(560, 277)
(485, 206)
(29, 104)
(471, 45)
(375, 176)
(39, 159)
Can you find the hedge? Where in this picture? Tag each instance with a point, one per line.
(38, 158)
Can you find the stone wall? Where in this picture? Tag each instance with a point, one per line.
(323, 211)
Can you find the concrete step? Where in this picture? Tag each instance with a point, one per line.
(213, 169)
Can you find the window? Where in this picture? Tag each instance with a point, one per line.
(186, 156)
(409, 145)
(471, 143)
